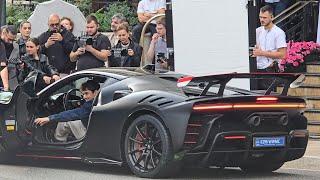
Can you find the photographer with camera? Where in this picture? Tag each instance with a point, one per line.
(35, 61)
(56, 44)
(126, 53)
(157, 53)
(91, 50)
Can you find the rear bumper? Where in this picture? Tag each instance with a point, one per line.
(237, 152)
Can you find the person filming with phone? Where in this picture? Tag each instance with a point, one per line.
(157, 53)
(56, 43)
(126, 53)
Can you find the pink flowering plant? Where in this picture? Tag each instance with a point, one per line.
(296, 53)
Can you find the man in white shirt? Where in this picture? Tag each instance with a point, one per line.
(146, 10)
(271, 45)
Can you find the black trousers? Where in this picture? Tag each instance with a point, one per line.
(264, 84)
(136, 31)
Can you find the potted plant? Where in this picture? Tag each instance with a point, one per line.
(298, 53)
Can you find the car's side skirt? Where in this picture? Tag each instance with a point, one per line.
(87, 160)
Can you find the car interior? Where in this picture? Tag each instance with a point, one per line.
(64, 96)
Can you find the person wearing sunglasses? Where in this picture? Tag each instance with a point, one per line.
(8, 36)
(56, 43)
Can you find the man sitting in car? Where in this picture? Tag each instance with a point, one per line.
(73, 121)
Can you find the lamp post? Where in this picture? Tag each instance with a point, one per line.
(2, 12)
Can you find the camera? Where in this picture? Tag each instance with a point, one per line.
(161, 57)
(119, 52)
(20, 60)
(85, 40)
(22, 49)
(53, 31)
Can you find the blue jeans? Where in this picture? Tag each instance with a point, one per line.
(278, 7)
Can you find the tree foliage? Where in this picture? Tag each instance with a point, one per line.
(16, 14)
(104, 15)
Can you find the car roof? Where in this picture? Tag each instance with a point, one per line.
(125, 72)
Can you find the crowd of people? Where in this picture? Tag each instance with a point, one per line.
(57, 52)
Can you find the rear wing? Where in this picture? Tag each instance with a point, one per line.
(285, 80)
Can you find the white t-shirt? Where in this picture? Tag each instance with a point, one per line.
(150, 6)
(269, 40)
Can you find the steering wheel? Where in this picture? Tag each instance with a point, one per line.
(71, 100)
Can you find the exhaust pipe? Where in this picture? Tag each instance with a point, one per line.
(283, 120)
(254, 121)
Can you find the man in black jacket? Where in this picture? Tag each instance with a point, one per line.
(8, 36)
(93, 52)
(126, 53)
(56, 44)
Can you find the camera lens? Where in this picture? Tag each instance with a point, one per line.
(124, 52)
(89, 41)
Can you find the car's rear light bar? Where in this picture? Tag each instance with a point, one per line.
(266, 99)
(234, 137)
(230, 106)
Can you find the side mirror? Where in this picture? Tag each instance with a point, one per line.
(296, 83)
(120, 94)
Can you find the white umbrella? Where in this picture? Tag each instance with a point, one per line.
(39, 18)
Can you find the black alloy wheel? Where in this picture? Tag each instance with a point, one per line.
(148, 148)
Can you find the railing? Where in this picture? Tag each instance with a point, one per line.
(299, 21)
(142, 38)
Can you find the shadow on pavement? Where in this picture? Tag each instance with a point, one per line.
(188, 173)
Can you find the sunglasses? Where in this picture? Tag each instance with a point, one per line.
(54, 25)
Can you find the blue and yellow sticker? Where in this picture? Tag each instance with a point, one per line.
(10, 125)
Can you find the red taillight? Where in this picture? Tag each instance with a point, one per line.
(264, 99)
(235, 137)
(215, 107)
(212, 107)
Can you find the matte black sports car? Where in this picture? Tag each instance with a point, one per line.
(157, 122)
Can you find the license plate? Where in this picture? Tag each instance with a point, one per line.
(260, 142)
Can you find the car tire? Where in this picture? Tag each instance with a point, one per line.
(263, 168)
(148, 148)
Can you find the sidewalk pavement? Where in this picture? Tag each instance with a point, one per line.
(313, 148)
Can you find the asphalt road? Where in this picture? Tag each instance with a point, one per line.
(307, 167)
